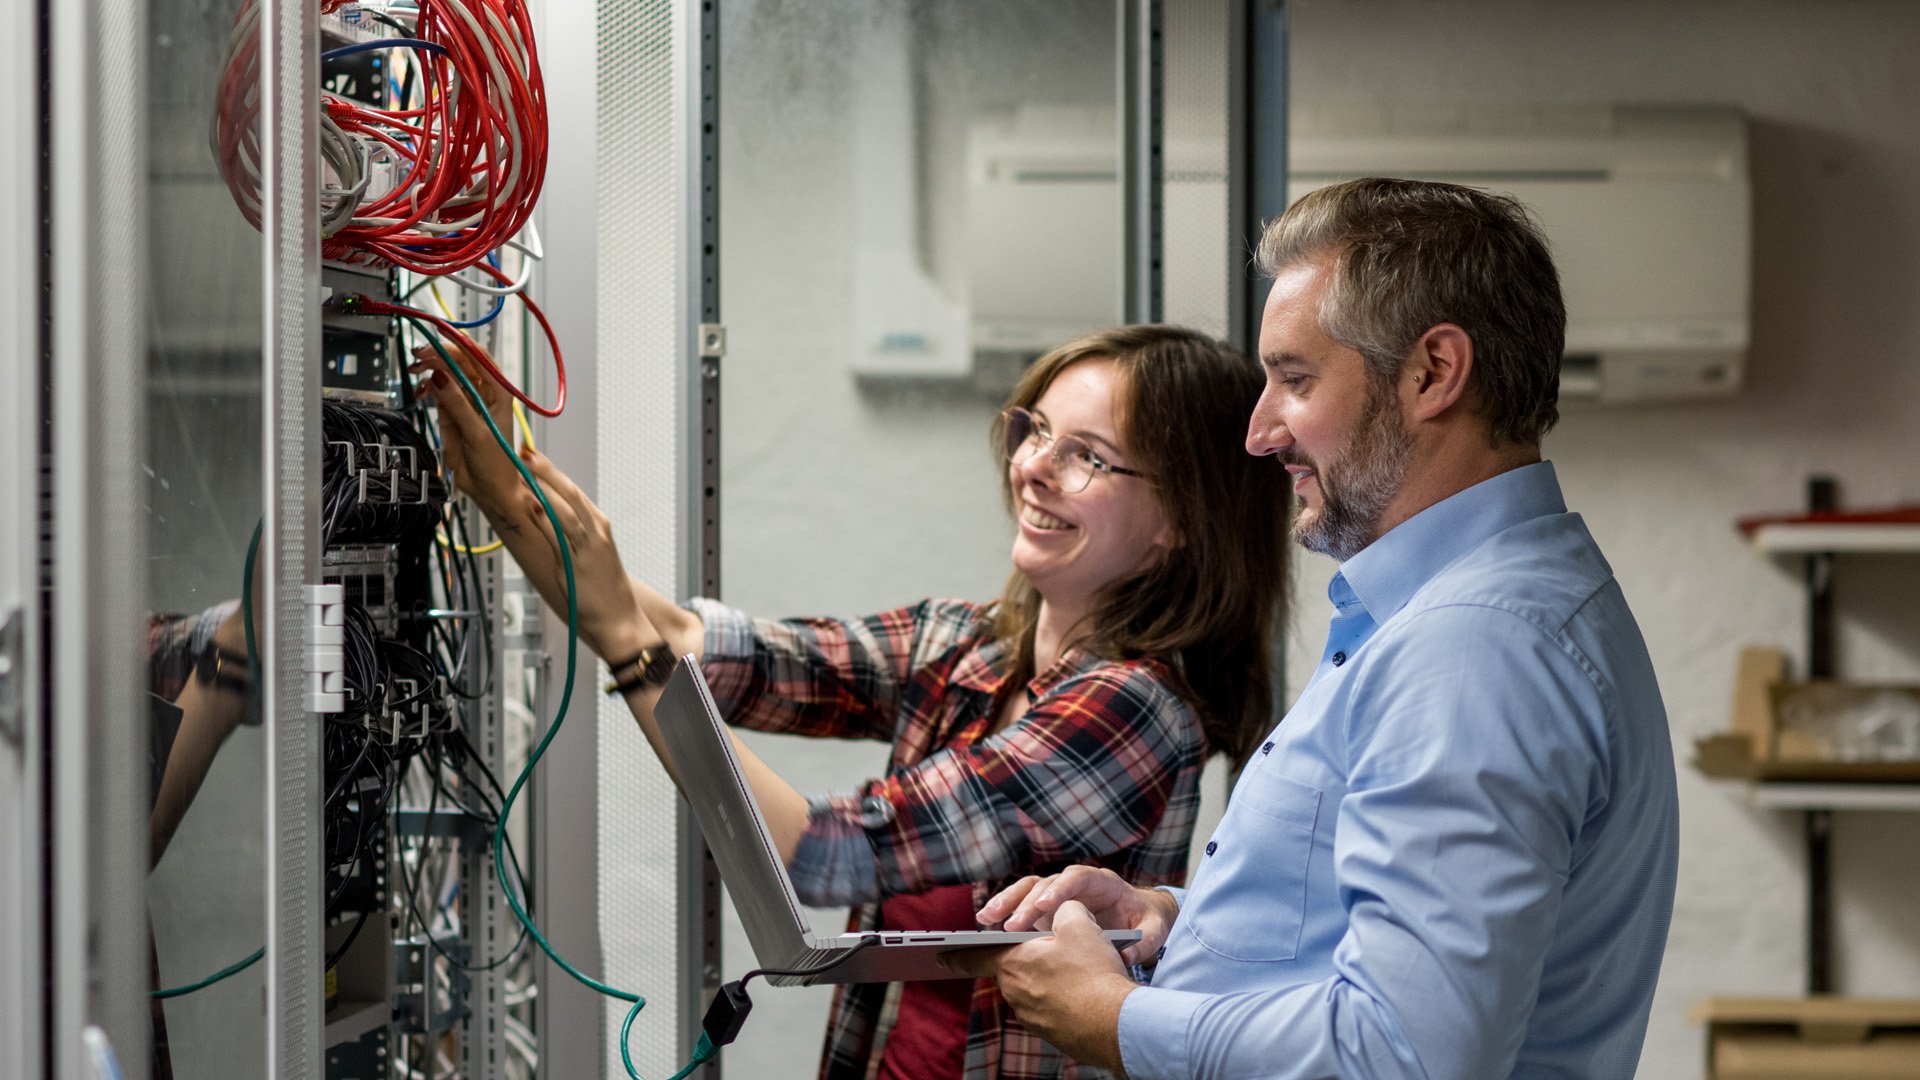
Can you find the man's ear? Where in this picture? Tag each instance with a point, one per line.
(1435, 374)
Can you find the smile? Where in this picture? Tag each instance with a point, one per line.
(1040, 519)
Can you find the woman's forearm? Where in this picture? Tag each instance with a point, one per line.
(682, 631)
(207, 717)
(657, 619)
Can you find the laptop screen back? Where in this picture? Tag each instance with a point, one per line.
(729, 816)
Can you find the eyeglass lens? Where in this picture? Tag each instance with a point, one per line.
(1068, 456)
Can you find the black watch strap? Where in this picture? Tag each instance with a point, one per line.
(650, 668)
(223, 669)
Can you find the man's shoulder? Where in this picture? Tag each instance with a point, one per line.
(1537, 590)
(1546, 571)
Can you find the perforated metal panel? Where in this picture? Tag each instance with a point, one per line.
(642, 336)
(295, 1004)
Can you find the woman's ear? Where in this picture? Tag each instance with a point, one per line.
(1169, 537)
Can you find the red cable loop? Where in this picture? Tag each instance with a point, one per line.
(480, 356)
(475, 146)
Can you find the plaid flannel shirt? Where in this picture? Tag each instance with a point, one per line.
(1104, 768)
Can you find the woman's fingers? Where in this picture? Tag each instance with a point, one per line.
(591, 518)
(468, 448)
(562, 512)
(449, 351)
(492, 397)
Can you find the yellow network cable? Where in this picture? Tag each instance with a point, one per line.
(526, 436)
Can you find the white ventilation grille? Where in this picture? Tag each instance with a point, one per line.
(641, 356)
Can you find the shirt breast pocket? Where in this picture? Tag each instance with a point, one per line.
(1249, 900)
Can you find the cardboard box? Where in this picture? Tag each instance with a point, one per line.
(1756, 748)
(1824, 1038)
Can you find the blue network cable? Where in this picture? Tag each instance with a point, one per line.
(383, 43)
(499, 301)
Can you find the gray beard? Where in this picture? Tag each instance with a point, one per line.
(1354, 496)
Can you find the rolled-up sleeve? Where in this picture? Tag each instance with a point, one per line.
(839, 678)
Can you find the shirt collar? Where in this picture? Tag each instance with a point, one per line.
(1386, 574)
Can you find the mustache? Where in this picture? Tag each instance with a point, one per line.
(1294, 457)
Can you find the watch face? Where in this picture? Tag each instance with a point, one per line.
(875, 812)
(208, 665)
(218, 669)
(659, 666)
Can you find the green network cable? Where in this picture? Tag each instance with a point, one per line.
(231, 969)
(704, 1048)
(253, 672)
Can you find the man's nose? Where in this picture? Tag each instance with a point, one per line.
(1266, 432)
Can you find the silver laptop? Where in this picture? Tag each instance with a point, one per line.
(737, 834)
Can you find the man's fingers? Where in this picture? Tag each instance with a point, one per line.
(979, 963)
(996, 910)
(1073, 920)
(1036, 911)
(1074, 927)
(1030, 914)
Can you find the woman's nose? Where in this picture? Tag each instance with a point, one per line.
(1036, 467)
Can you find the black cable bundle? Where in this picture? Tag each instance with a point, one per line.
(456, 558)
(360, 770)
(381, 480)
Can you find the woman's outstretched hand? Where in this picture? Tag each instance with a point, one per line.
(609, 612)
(480, 469)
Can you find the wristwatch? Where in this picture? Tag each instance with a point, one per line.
(650, 668)
(222, 669)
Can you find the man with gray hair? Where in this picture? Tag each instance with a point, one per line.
(1455, 858)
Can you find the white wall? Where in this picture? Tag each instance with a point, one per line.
(838, 499)
(1833, 92)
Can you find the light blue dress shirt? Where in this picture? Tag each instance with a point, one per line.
(1455, 858)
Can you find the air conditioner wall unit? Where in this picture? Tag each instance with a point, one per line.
(1649, 212)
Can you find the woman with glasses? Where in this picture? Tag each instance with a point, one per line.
(1065, 722)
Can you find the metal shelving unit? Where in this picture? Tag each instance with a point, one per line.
(1787, 795)
(1820, 544)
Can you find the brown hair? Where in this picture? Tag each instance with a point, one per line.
(1411, 254)
(1208, 607)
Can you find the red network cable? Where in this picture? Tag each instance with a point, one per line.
(471, 156)
(480, 355)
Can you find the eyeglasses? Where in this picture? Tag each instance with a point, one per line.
(1073, 461)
